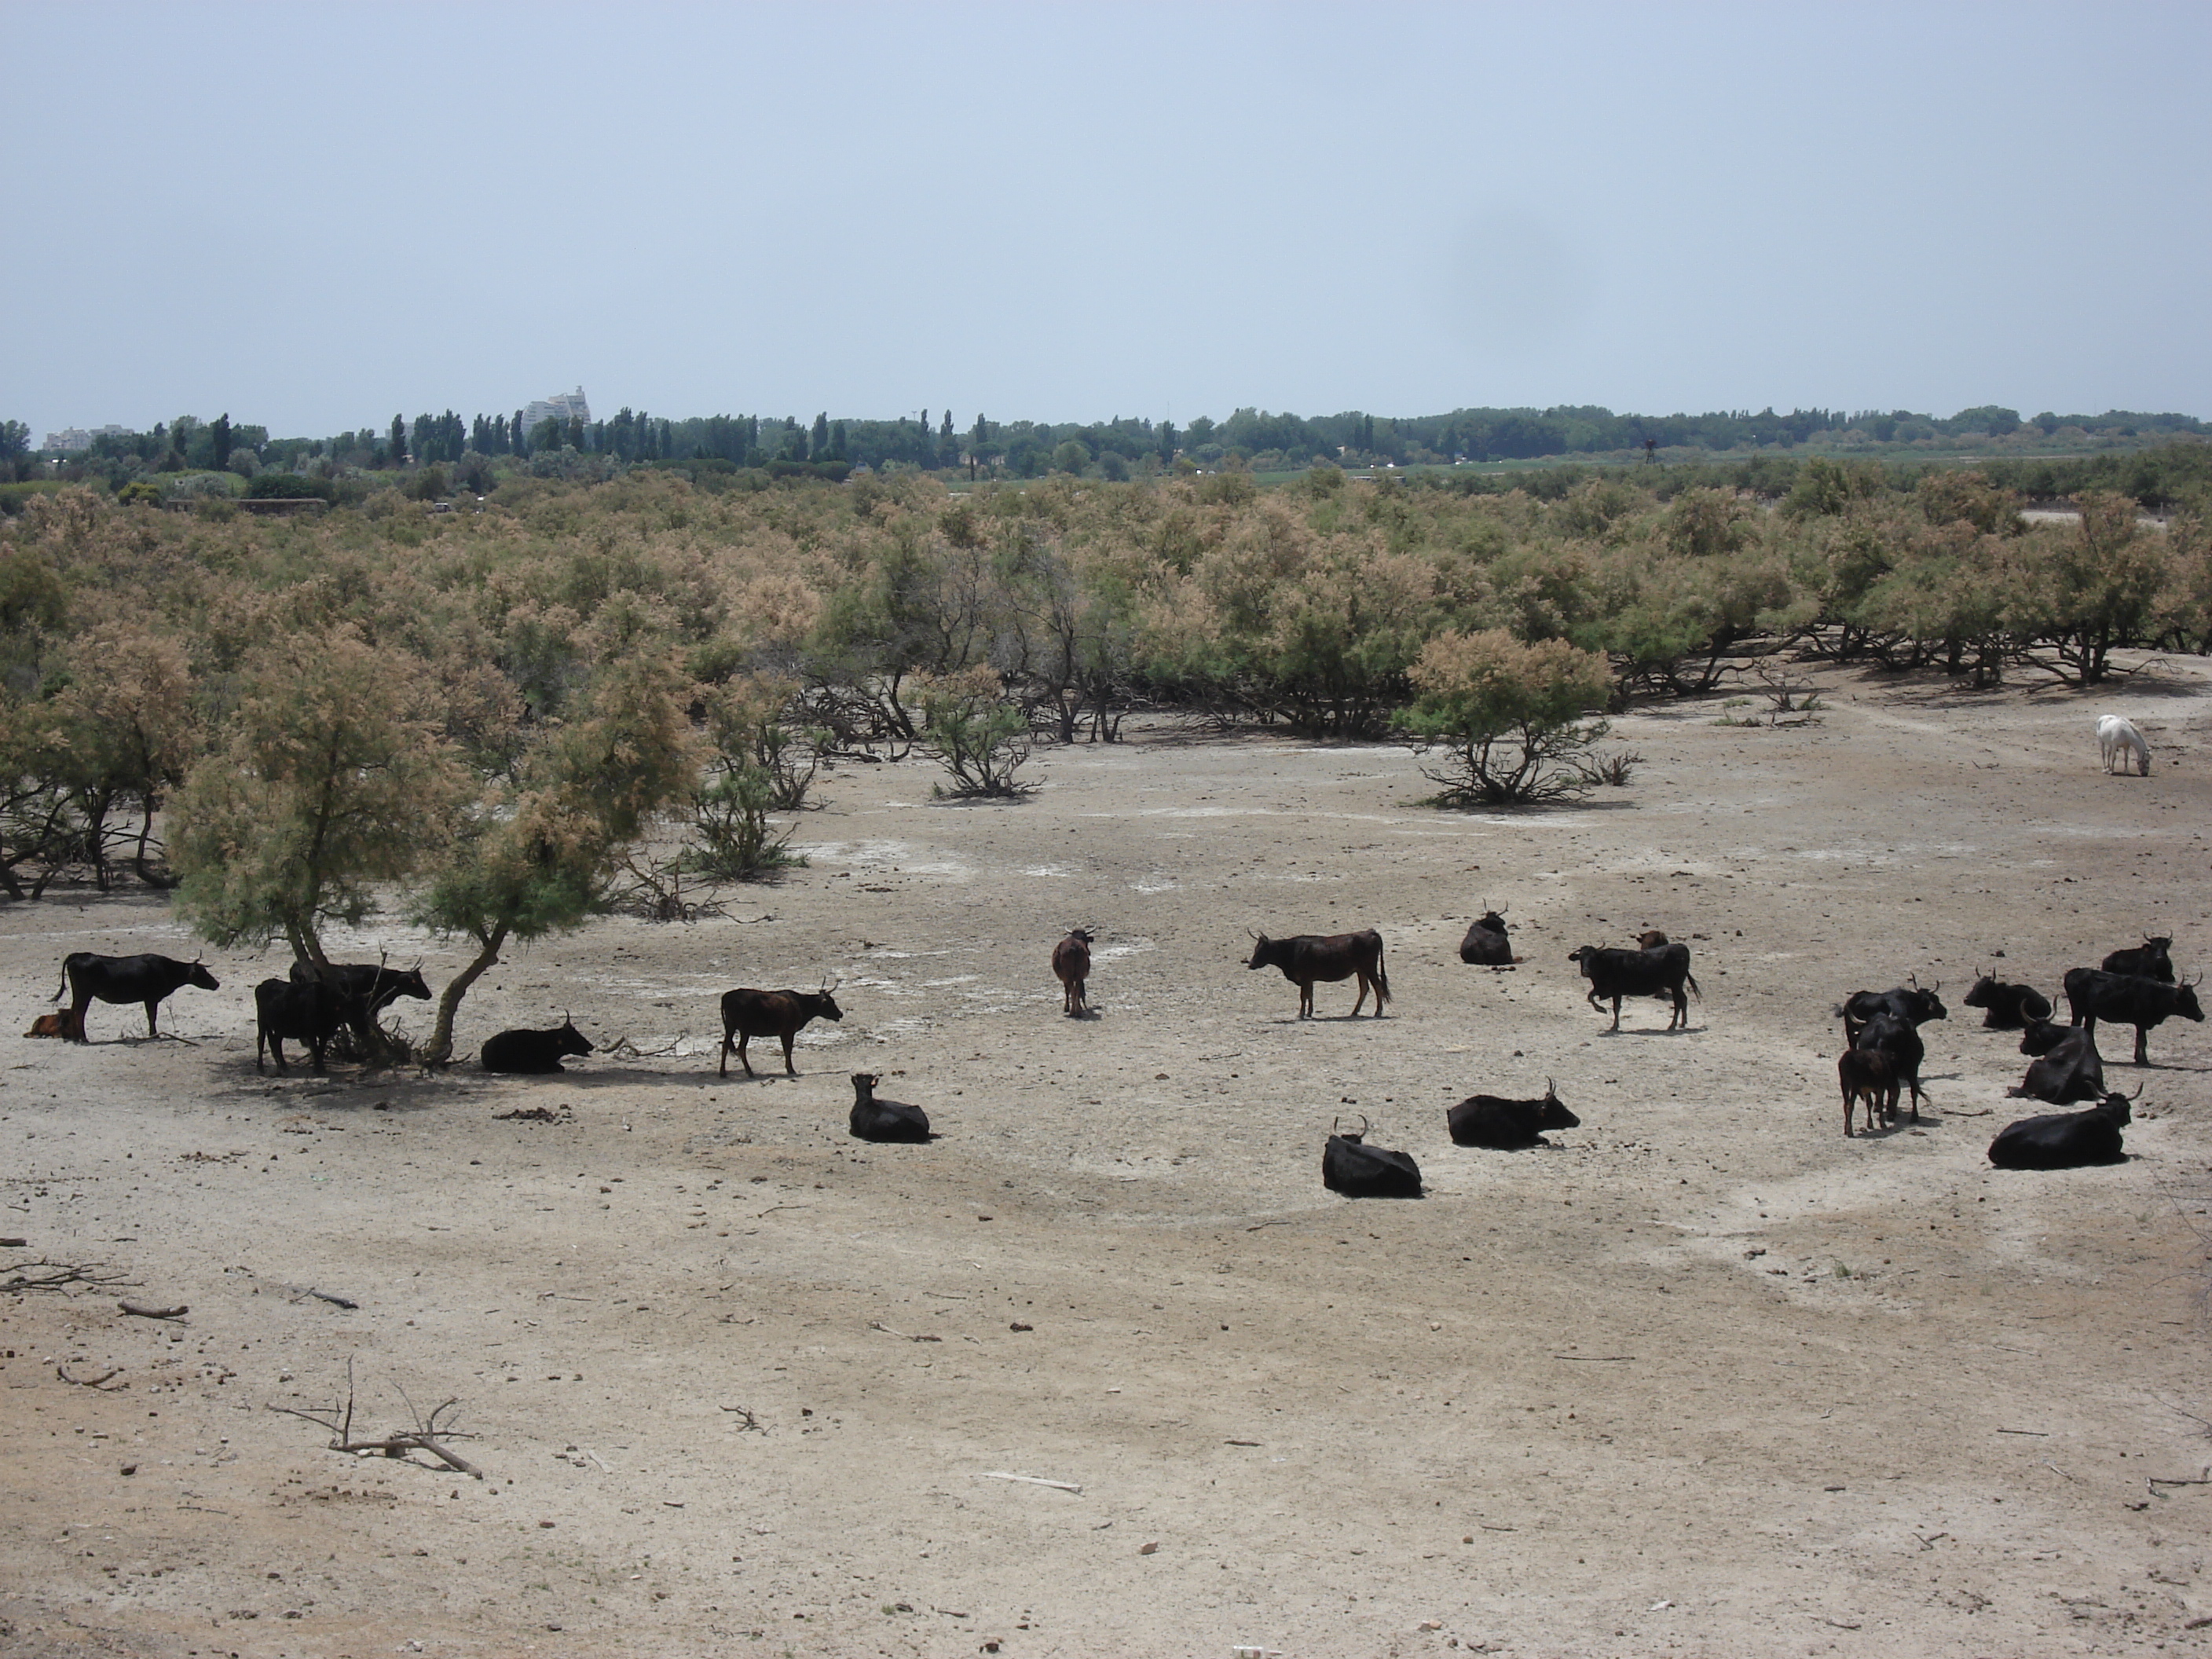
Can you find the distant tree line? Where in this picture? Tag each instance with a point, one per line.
(475, 451)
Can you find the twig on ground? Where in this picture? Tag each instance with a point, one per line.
(750, 1420)
(143, 1311)
(428, 1435)
(61, 1371)
(335, 1301)
(2038, 1433)
(878, 1325)
(44, 1275)
(1598, 1358)
(623, 1049)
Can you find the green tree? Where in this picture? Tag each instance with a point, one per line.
(974, 734)
(533, 855)
(332, 781)
(221, 433)
(1509, 721)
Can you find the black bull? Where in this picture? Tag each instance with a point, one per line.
(2091, 994)
(87, 978)
(1310, 957)
(1659, 970)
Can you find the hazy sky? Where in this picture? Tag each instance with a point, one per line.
(315, 216)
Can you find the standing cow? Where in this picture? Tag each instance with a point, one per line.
(1309, 957)
(87, 978)
(749, 1014)
(2093, 995)
(1654, 970)
(1071, 966)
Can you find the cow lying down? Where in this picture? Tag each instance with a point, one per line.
(1508, 1126)
(2065, 1140)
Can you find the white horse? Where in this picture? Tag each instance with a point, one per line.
(2119, 741)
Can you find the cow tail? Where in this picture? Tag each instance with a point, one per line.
(1381, 979)
(1691, 979)
(64, 991)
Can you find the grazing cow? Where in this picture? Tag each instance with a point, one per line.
(1486, 945)
(1309, 957)
(2093, 995)
(748, 1014)
(2149, 960)
(308, 1013)
(1071, 965)
(1350, 1166)
(2065, 1140)
(534, 1054)
(1868, 1074)
(1507, 1125)
(1661, 970)
(883, 1119)
(2009, 1006)
(1898, 1040)
(2069, 1070)
(87, 978)
(2118, 743)
(1908, 1003)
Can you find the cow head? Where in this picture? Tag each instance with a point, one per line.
(1930, 1006)
(570, 1041)
(1554, 1115)
(1263, 952)
(200, 976)
(864, 1086)
(409, 984)
(1337, 1131)
(2184, 1001)
(1985, 989)
(1491, 921)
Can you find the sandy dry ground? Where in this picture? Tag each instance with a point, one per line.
(1704, 1377)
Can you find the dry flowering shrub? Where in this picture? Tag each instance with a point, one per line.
(1505, 723)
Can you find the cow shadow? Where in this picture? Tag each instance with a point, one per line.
(1654, 1031)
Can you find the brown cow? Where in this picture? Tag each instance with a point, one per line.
(1071, 964)
(52, 1026)
(1306, 957)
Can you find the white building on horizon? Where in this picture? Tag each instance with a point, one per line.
(561, 406)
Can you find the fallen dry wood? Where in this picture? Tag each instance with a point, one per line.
(878, 1325)
(145, 1312)
(100, 1381)
(426, 1435)
(44, 1275)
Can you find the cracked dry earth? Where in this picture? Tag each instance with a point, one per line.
(1702, 1377)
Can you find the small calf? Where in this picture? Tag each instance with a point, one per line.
(883, 1119)
(50, 1025)
(1350, 1166)
(1506, 1125)
(1871, 1075)
(2065, 1140)
(534, 1054)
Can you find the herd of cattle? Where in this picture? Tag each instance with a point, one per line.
(2135, 987)
(1883, 1050)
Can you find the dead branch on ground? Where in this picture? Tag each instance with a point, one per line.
(143, 1311)
(100, 1381)
(44, 1275)
(428, 1435)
